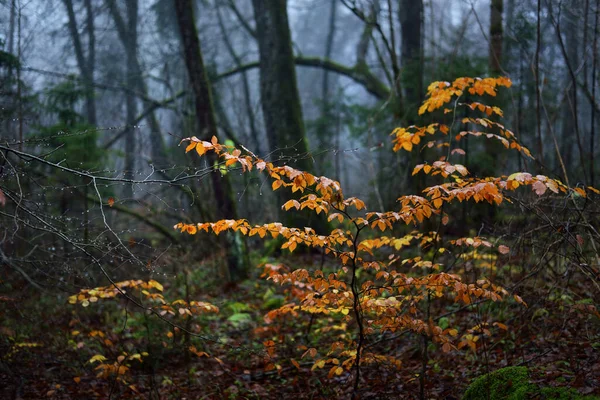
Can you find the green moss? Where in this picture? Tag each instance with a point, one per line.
(562, 393)
(511, 383)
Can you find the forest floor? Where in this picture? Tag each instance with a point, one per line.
(46, 345)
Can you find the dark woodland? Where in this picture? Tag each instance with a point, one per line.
(309, 199)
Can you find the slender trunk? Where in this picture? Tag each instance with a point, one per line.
(237, 260)
(496, 36)
(86, 67)
(19, 83)
(570, 53)
(329, 48)
(8, 126)
(569, 118)
(245, 86)
(131, 106)
(326, 131)
(159, 155)
(91, 65)
(536, 71)
(593, 117)
(11, 27)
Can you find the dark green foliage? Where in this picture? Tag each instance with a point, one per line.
(75, 139)
(562, 393)
(8, 60)
(511, 383)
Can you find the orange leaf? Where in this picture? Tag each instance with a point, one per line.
(276, 184)
(111, 201)
(501, 326)
(295, 363)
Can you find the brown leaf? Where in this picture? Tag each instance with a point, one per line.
(503, 249)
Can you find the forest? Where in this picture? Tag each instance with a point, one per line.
(309, 199)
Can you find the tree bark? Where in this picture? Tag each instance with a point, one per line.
(496, 36)
(280, 100)
(234, 246)
(282, 110)
(411, 21)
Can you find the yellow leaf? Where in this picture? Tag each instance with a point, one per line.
(97, 357)
(77, 379)
(155, 285)
(339, 216)
(318, 364)
(276, 184)
(200, 149)
(593, 189)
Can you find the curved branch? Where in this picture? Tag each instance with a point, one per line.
(163, 230)
(358, 73)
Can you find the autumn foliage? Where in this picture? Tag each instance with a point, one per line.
(384, 282)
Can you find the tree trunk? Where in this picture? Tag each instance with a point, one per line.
(245, 85)
(411, 22)
(410, 15)
(128, 36)
(282, 110)
(86, 67)
(234, 245)
(327, 131)
(496, 36)
(570, 126)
